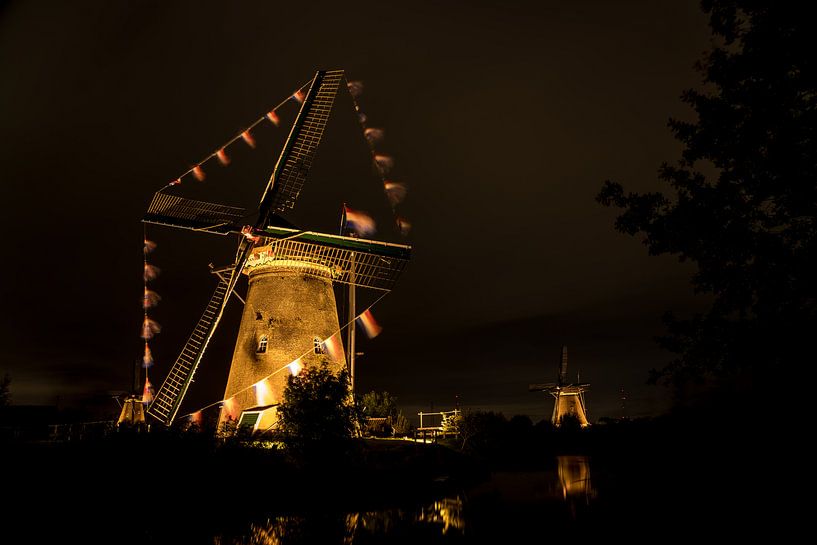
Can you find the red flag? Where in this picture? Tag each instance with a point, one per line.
(248, 138)
(355, 88)
(263, 393)
(230, 409)
(295, 367)
(147, 359)
(199, 173)
(333, 347)
(272, 116)
(384, 164)
(404, 225)
(151, 299)
(151, 272)
(374, 136)
(150, 328)
(299, 97)
(147, 392)
(395, 192)
(369, 325)
(248, 234)
(360, 222)
(149, 246)
(222, 157)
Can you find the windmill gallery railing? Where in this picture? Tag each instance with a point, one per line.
(377, 265)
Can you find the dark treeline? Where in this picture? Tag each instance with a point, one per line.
(174, 486)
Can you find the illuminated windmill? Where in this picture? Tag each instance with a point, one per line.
(290, 307)
(568, 398)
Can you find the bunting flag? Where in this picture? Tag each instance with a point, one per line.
(355, 88)
(384, 164)
(359, 222)
(404, 225)
(147, 358)
(151, 272)
(395, 192)
(374, 136)
(247, 231)
(147, 392)
(150, 328)
(295, 367)
(151, 299)
(246, 135)
(199, 173)
(369, 325)
(248, 138)
(195, 418)
(230, 408)
(263, 393)
(333, 347)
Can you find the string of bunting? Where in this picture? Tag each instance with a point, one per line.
(332, 346)
(149, 326)
(246, 135)
(383, 164)
(150, 299)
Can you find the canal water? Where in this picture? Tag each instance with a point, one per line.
(509, 505)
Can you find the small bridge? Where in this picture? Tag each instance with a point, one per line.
(439, 424)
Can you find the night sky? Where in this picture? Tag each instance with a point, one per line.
(504, 118)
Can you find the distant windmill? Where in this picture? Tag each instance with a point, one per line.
(568, 398)
(290, 305)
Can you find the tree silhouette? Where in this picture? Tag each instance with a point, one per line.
(742, 199)
(317, 411)
(379, 404)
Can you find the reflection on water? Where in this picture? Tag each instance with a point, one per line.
(444, 520)
(439, 519)
(574, 478)
(447, 511)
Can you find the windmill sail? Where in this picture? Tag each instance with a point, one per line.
(176, 211)
(296, 158)
(169, 398)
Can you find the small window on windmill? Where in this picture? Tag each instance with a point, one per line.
(262, 344)
(318, 346)
(258, 315)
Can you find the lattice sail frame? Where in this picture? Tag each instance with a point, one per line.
(296, 158)
(174, 211)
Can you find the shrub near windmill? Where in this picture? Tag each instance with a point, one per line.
(290, 317)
